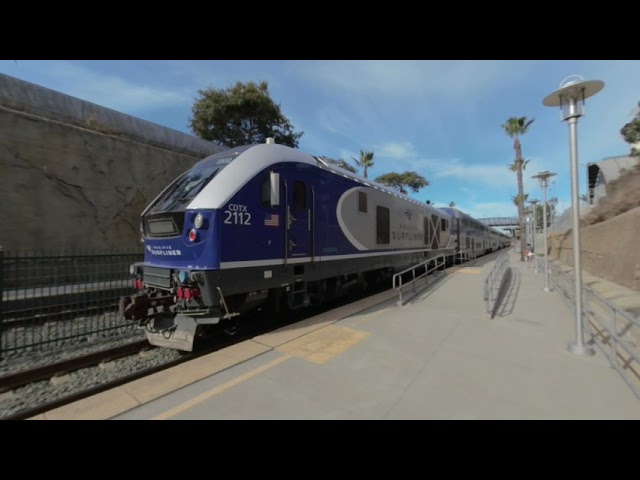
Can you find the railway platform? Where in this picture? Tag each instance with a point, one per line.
(439, 356)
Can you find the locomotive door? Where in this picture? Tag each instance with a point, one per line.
(298, 218)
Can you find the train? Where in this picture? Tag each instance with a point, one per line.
(472, 238)
(269, 225)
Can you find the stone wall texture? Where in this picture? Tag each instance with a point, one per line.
(75, 175)
(610, 249)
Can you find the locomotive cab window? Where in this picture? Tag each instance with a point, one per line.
(362, 202)
(265, 193)
(299, 196)
(382, 225)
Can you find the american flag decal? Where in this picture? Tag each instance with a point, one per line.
(272, 220)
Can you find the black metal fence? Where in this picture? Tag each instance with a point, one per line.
(52, 299)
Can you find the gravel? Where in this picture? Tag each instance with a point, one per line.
(34, 357)
(19, 340)
(39, 393)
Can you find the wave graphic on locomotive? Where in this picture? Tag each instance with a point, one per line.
(269, 225)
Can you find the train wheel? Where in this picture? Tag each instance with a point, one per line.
(233, 327)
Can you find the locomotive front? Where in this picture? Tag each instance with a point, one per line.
(181, 248)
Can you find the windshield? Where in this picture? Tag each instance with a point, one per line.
(192, 182)
(187, 187)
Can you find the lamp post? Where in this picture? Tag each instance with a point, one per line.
(543, 177)
(533, 221)
(527, 225)
(570, 98)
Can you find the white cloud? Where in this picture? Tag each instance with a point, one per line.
(108, 90)
(395, 150)
(347, 155)
(411, 78)
(494, 176)
(334, 120)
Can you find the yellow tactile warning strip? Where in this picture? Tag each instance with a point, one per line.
(324, 344)
(114, 402)
(469, 270)
(219, 389)
(320, 348)
(102, 406)
(304, 327)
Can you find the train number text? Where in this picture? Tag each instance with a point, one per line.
(237, 215)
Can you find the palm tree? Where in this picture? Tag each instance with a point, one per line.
(365, 162)
(515, 127)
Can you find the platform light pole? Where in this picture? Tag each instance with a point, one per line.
(533, 222)
(570, 98)
(543, 177)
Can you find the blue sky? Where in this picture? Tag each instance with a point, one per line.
(440, 118)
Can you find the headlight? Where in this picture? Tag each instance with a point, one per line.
(198, 221)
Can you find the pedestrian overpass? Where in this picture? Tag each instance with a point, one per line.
(504, 222)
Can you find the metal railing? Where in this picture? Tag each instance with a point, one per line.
(60, 298)
(463, 256)
(438, 264)
(614, 330)
(495, 283)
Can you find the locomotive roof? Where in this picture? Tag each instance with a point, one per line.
(240, 164)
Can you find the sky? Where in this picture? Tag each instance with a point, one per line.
(440, 118)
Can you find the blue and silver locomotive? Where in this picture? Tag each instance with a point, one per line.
(269, 225)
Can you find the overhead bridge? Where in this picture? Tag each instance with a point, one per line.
(500, 221)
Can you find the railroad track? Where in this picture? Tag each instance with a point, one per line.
(252, 325)
(46, 372)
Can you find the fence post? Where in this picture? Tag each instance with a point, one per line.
(1, 296)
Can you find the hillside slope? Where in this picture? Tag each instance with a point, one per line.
(609, 234)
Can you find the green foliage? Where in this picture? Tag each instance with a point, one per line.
(516, 199)
(518, 165)
(551, 212)
(365, 162)
(517, 126)
(243, 114)
(346, 166)
(631, 133)
(402, 181)
(340, 163)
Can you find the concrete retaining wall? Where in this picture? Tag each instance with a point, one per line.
(75, 175)
(610, 249)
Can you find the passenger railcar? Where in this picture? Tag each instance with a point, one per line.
(268, 224)
(470, 238)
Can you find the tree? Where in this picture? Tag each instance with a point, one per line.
(631, 134)
(551, 211)
(346, 166)
(515, 127)
(243, 114)
(452, 204)
(339, 163)
(399, 181)
(365, 161)
(516, 199)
